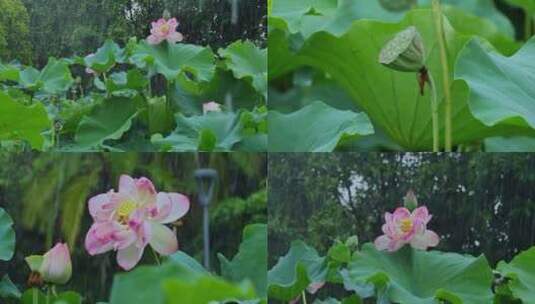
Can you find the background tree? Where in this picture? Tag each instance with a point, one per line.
(14, 31)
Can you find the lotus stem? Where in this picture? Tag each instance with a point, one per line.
(439, 26)
(35, 299)
(434, 113)
(304, 296)
(527, 25)
(156, 258)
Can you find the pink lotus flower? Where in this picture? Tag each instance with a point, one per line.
(403, 227)
(129, 220)
(211, 107)
(164, 30)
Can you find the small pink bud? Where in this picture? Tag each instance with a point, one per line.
(57, 267)
(211, 107)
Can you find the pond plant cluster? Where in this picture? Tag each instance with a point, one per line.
(413, 75)
(133, 221)
(397, 268)
(155, 94)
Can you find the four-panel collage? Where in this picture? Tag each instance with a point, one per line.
(267, 151)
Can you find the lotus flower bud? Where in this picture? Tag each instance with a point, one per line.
(56, 266)
(166, 15)
(211, 106)
(410, 201)
(352, 242)
(398, 5)
(405, 52)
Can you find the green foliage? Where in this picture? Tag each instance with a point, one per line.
(35, 296)
(251, 260)
(521, 273)
(21, 122)
(328, 36)
(331, 128)
(294, 272)
(508, 74)
(14, 31)
(7, 236)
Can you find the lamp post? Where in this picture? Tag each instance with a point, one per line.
(206, 181)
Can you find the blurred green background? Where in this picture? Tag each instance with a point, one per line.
(482, 203)
(47, 194)
(33, 30)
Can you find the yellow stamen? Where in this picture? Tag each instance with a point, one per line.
(165, 28)
(406, 225)
(124, 210)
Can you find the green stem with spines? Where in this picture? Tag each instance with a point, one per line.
(304, 297)
(439, 27)
(434, 113)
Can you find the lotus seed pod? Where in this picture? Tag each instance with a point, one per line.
(410, 201)
(398, 5)
(405, 52)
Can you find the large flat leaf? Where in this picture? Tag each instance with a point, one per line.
(251, 261)
(109, 120)
(172, 60)
(501, 88)
(521, 271)
(315, 128)
(528, 5)
(211, 132)
(391, 99)
(336, 17)
(8, 289)
(246, 60)
(294, 272)
(55, 78)
(8, 72)
(7, 236)
(105, 58)
(510, 144)
(145, 284)
(19, 122)
(418, 277)
(206, 289)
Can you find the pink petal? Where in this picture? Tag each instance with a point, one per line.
(395, 245)
(102, 206)
(141, 190)
(314, 287)
(124, 238)
(170, 207)
(175, 37)
(422, 214)
(154, 39)
(381, 243)
(424, 240)
(129, 257)
(99, 238)
(162, 239)
(173, 23)
(400, 213)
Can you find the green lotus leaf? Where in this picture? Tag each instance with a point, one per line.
(510, 144)
(216, 131)
(19, 122)
(207, 289)
(528, 5)
(107, 121)
(145, 283)
(173, 60)
(55, 78)
(246, 60)
(8, 72)
(251, 260)
(392, 99)
(521, 272)
(7, 236)
(35, 296)
(310, 16)
(501, 88)
(294, 272)
(105, 58)
(409, 276)
(316, 127)
(8, 289)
